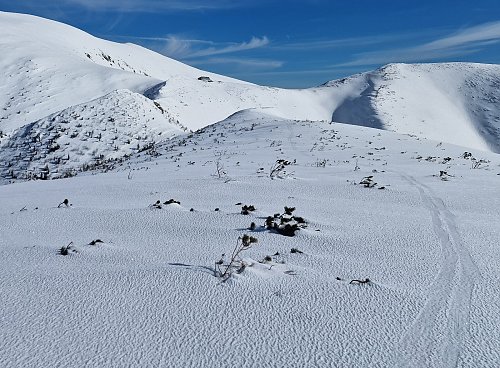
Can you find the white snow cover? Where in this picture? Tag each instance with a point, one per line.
(86, 136)
(147, 295)
(49, 66)
(397, 266)
(450, 102)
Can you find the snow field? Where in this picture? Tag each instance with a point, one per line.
(147, 295)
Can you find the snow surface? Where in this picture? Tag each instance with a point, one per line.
(148, 296)
(423, 228)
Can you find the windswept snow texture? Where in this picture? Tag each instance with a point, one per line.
(425, 235)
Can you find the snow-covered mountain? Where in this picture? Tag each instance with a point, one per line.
(53, 70)
(49, 66)
(452, 102)
(272, 237)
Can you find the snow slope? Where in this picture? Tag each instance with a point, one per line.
(52, 69)
(85, 137)
(147, 295)
(451, 102)
(49, 66)
(197, 104)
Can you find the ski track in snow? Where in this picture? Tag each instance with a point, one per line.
(436, 335)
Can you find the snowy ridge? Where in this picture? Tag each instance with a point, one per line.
(59, 66)
(198, 104)
(451, 102)
(94, 135)
(49, 66)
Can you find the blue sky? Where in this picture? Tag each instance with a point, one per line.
(294, 43)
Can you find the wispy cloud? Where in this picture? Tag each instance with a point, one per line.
(468, 36)
(464, 42)
(143, 6)
(254, 64)
(181, 48)
(203, 52)
(323, 44)
(149, 6)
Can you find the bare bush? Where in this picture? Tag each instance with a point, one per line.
(278, 170)
(223, 269)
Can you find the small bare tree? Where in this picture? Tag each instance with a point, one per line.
(220, 170)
